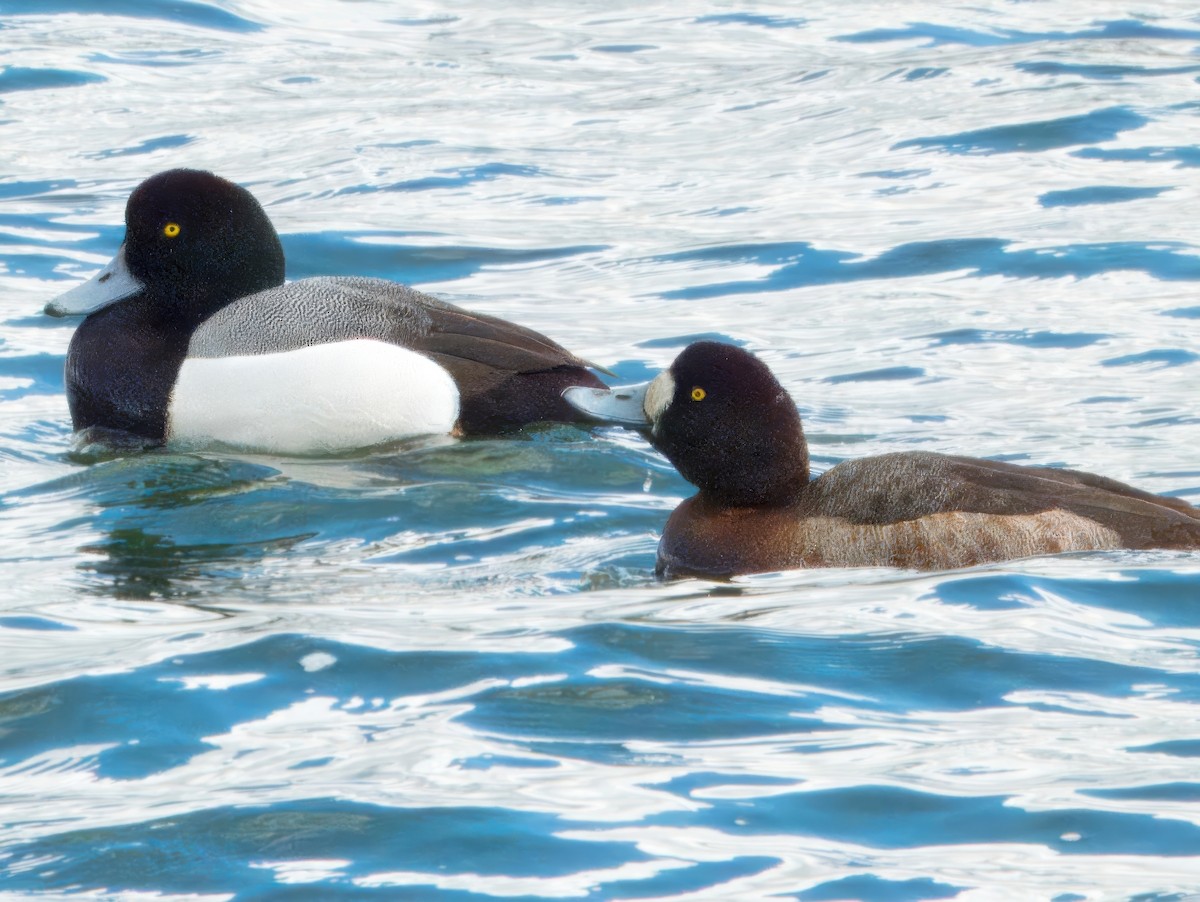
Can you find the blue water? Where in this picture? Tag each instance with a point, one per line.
(444, 670)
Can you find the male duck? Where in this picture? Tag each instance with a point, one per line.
(722, 418)
(192, 338)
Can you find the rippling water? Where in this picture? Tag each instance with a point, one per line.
(445, 670)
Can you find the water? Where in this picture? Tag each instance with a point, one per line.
(445, 670)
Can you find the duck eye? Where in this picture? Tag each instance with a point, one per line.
(171, 229)
(699, 394)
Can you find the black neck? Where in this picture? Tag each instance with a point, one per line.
(121, 368)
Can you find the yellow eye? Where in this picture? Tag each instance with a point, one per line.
(699, 394)
(171, 229)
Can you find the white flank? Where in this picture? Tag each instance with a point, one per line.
(324, 398)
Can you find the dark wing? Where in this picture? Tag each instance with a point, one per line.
(507, 375)
(906, 486)
(455, 334)
(1103, 483)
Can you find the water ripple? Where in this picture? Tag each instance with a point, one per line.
(444, 669)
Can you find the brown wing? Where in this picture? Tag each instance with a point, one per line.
(899, 487)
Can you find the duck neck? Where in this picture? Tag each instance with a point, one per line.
(769, 479)
(767, 466)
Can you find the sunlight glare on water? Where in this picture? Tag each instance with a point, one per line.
(445, 669)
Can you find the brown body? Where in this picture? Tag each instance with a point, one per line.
(925, 512)
(722, 418)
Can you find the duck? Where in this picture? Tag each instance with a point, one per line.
(724, 421)
(191, 338)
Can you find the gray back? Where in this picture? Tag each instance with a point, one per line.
(316, 311)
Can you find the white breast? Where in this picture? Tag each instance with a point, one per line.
(328, 397)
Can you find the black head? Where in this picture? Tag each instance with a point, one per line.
(722, 418)
(196, 242)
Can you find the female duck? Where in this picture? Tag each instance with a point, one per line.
(192, 338)
(729, 427)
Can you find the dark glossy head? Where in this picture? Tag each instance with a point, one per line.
(721, 417)
(193, 243)
(196, 235)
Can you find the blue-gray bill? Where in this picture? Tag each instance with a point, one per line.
(625, 405)
(113, 283)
